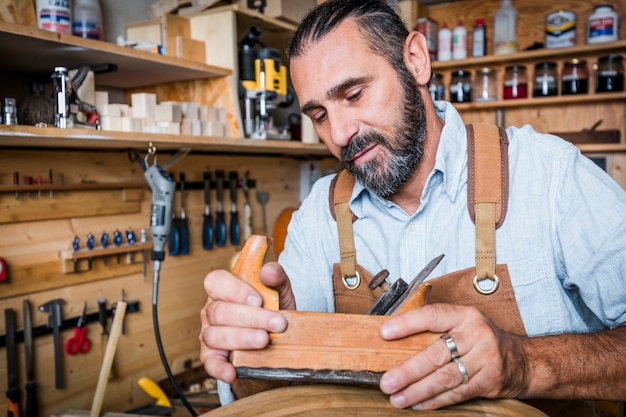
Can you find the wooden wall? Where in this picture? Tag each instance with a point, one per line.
(31, 248)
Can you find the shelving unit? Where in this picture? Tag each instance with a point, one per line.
(135, 70)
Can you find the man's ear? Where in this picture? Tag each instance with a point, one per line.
(417, 57)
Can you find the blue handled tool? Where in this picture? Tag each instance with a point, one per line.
(117, 241)
(90, 241)
(104, 242)
(76, 247)
(220, 221)
(207, 221)
(183, 224)
(234, 228)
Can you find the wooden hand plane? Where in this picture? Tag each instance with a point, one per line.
(322, 347)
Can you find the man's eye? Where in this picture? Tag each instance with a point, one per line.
(354, 95)
(319, 117)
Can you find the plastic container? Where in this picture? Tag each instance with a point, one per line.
(444, 43)
(429, 28)
(561, 29)
(505, 29)
(87, 22)
(545, 81)
(436, 87)
(461, 87)
(55, 16)
(479, 38)
(603, 25)
(485, 88)
(574, 77)
(515, 82)
(459, 42)
(610, 74)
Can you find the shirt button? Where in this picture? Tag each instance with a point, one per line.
(412, 226)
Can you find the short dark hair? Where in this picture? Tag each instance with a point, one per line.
(379, 24)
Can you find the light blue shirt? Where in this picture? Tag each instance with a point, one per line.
(563, 239)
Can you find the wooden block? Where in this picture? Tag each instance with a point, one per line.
(150, 31)
(192, 127)
(191, 49)
(190, 110)
(174, 26)
(102, 100)
(169, 111)
(209, 113)
(168, 128)
(144, 105)
(113, 123)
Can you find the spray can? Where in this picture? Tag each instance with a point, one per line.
(87, 19)
(54, 15)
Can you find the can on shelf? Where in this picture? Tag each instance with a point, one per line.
(574, 77)
(461, 87)
(603, 25)
(485, 85)
(561, 29)
(610, 74)
(436, 87)
(545, 79)
(515, 82)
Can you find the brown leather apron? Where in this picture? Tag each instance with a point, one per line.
(486, 286)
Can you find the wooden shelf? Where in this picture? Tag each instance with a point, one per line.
(53, 138)
(542, 101)
(580, 51)
(28, 50)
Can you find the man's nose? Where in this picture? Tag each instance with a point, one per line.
(342, 127)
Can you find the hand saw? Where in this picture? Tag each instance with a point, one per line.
(322, 347)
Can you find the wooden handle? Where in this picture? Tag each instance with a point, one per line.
(249, 264)
(107, 362)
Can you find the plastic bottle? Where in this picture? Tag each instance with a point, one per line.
(505, 29)
(459, 42)
(87, 22)
(55, 16)
(602, 25)
(479, 38)
(444, 43)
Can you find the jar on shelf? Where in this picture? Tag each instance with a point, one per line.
(515, 83)
(545, 80)
(485, 88)
(461, 87)
(436, 87)
(574, 77)
(610, 74)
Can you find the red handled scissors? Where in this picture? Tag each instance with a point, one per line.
(79, 343)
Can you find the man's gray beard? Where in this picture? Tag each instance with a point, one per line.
(385, 174)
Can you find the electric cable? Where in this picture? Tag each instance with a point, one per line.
(157, 335)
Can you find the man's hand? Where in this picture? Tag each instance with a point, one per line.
(233, 317)
(495, 361)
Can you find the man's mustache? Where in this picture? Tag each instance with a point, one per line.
(358, 144)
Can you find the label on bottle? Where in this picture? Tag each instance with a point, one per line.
(478, 42)
(89, 30)
(602, 26)
(54, 15)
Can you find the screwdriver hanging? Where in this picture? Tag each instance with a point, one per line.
(234, 228)
(104, 242)
(207, 221)
(76, 247)
(220, 221)
(90, 240)
(184, 225)
(117, 241)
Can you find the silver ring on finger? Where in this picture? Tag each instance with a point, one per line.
(451, 344)
(462, 369)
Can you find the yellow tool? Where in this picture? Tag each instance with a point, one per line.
(152, 389)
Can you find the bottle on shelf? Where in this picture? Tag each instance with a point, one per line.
(444, 43)
(479, 38)
(459, 42)
(54, 16)
(87, 19)
(505, 29)
(602, 25)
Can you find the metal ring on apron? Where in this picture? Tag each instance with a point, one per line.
(356, 278)
(496, 284)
